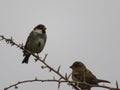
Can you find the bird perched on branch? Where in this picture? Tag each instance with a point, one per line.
(35, 42)
(81, 74)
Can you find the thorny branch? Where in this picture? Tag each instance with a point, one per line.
(58, 81)
(35, 80)
(62, 79)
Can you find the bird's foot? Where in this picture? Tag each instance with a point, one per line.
(37, 57)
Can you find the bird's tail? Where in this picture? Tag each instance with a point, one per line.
(100, 80)
(25, 60)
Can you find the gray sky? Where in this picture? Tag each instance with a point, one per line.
(84, 30)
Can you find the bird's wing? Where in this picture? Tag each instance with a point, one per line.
(27, 43)
(90, 77)
(78, 77)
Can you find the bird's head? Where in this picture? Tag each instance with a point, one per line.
(77, 65)
(40, 29)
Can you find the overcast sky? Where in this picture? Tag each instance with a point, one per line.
(77, 30)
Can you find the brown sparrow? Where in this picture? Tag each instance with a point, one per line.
(81, 74)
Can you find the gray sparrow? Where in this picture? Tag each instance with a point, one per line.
(35, 42)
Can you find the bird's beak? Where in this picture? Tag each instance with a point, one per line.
(45, 28)
(70, 66)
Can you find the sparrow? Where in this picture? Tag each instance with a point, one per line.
(81, 74)
(35, 42)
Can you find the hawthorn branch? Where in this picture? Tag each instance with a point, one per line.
(34, 80)
(37, 58)
(62, 79)
(58, 81)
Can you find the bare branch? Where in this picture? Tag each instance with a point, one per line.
(37, 58)
(62, 78)
(34, 80)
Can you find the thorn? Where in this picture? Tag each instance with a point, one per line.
(21, 46)
(43, 67)
(1, 37)
(11, 39)
(36, 79)
(16, 87)
(18, 81)
(12, 44)
(43, 60)
(58, 68)
(45, 57)
(49, 70)
(36, 59)
(66, 76)
(69, 75)
(58, 85)
(117, 84)
(7, 41)
(60, 78)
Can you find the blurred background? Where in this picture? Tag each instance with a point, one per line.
(77, 30)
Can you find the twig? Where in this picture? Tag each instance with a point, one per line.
(55, 80)
(62, 78)
(10, 41)
(35, 80)
(117, 85)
